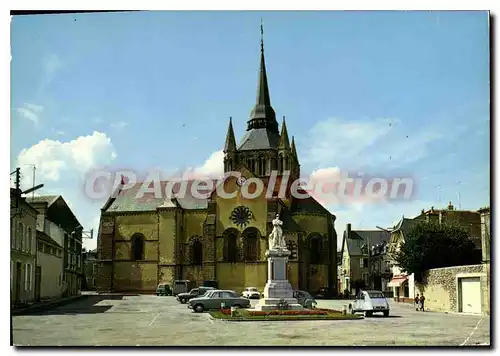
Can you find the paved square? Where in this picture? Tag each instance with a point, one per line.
(161, 321)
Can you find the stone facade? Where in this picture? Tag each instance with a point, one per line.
(90, 270)
(50, 266)
(22, 250)
(440, 286)
(56, 220)
(485, 246)
(362, 263)
(146, 241)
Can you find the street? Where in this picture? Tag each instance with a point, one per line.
(112, 320)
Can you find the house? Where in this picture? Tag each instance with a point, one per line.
(57, 221)
(339, 271)
(402, 284)
(380, 268)
(89, 270)
(22, 249)
(404, 287)
(49, 264)
(466, 219)
(356, 252)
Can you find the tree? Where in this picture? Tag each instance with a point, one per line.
(430, 245)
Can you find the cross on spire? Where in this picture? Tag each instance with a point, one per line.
(261, 35)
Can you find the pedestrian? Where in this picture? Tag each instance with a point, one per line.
(422, 300)
(417, 299)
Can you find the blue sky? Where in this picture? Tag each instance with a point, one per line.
(383, 93)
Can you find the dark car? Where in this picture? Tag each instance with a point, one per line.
(163, 289)
(216, 298)
(304, 299)
(193, 293)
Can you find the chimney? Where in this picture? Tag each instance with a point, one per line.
(348, 230)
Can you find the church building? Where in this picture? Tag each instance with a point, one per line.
(146, 241)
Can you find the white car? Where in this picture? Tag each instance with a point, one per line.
(251, 293)
(369, 302)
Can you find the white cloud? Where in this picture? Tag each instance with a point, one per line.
(51, 65)
(53, 159)
(363, 143)
(30, 112)
(213, 167)
(119, 125)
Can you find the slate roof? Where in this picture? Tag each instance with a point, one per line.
(289, 225)
(259, 139)
(308, 205)
(46, 238)
(128, 201)
(405, 225)
(359, 238)
(49, 199)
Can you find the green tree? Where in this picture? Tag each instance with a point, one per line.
(430, 245)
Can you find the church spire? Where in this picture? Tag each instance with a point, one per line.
(284, 141)
(263, 115)
(230, 144)
(294, 150)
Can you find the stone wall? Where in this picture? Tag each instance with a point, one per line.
(440, 287)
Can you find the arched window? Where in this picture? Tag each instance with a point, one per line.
(197, 252)
(231, 246)
(262, 166)
(20, 235)
(315, 249)
(137, 247)
(29, 239)
(287, 166)
(251, 244)
(273, 164)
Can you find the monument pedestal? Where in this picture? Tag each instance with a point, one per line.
(277, 287)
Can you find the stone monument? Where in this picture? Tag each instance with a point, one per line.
(277, 288)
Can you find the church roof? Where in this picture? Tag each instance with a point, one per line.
(259, 139)
(289, 225)
(262, 130)
(308, 205)
(128, 200)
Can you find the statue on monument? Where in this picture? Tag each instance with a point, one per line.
(276, 239)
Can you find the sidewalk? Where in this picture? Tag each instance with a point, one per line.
(46, 304)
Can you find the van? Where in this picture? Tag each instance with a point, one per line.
(182, 286)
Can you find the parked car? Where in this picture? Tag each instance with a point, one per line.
(193, 293)
(182, 286)
(323, 293)
(369, 302)
(304, 299)
(163, 289)
(251, 293)
(215, 298)
(211, 283)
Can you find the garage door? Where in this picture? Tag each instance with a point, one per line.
(470, 295)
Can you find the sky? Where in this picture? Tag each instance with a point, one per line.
(385, 94)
